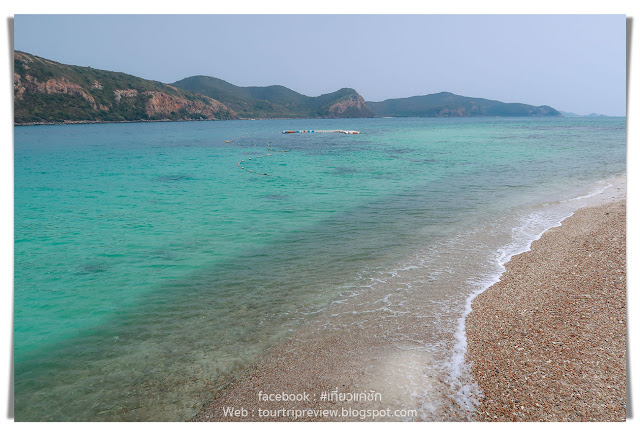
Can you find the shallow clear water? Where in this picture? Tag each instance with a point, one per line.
(150, 267)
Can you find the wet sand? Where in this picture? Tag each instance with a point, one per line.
(548, 341)
(389, 339)
(346, 353)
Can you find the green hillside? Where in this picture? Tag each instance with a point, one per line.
(48, 91)
(277, 101)
(446, 104)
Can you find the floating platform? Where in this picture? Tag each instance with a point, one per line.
(348, 132)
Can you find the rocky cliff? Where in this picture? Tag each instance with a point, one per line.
(50, 92)
(352, 106)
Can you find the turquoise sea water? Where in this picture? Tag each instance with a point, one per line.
(150, 267)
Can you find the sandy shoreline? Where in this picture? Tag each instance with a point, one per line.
(548, 341)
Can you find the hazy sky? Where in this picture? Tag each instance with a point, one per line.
(575, 63)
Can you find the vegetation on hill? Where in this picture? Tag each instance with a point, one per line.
(446, 104)
(277, 101)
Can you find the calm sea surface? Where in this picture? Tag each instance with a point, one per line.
(150, 267)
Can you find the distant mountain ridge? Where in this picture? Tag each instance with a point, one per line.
(446, 104)
(46, 91)
(277, 101)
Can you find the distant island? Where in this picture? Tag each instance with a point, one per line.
(574, 115)
(446, 104)
(48, 92)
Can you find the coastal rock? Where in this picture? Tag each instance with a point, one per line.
(353, 106)
(52, 86)
(162, 103)
(119, 93)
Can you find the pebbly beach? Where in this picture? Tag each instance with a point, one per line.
(548, 341)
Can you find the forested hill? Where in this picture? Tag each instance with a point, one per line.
(446, 104)
(50, 92)
(277, 101)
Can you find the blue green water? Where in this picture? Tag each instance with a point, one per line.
(150, 267)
